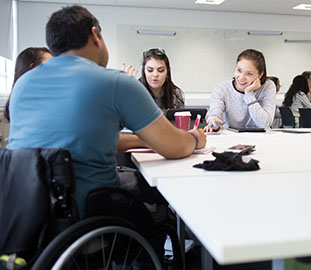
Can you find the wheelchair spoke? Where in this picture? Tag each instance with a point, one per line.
(121, 248)
(112, 248)
(127, 252)
(103, 251)
(76, 264)
(85, 257)
(135, 259)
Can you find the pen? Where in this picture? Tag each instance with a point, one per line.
(219, 124)
(197, 121)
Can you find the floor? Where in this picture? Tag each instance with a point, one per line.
(193, 262)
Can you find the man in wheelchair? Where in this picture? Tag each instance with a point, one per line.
(74, 102)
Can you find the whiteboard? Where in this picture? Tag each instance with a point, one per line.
(200, 58)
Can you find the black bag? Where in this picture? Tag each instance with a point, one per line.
(36, 187)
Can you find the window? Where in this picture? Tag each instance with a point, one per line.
(8, 46)
(6, 76)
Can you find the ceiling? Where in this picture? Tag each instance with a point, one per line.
(252, 6)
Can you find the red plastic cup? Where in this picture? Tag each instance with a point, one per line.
(182, 119)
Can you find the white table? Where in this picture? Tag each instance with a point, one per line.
(245, 219)
(283, 158)
(277, 152)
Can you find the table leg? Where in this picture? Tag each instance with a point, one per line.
(181, 235)
(206, 259)
(278, 264)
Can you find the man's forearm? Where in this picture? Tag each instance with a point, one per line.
(128, 141)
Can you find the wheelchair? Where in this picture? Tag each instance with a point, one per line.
(39, 220)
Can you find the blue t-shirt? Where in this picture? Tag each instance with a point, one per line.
(73, 103)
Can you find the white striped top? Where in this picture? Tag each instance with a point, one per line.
(254, 109)
(300, 100)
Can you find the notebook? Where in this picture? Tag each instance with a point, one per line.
(246, 129)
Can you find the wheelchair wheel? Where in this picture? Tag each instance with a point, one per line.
(92, 244)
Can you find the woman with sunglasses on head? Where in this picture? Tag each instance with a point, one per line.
(247, 100)
(156, 77)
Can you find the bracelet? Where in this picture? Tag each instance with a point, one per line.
(196, 140)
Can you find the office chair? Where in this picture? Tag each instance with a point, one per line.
(288, 119)
(305, 118)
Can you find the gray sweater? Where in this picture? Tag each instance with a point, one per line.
(254, 109)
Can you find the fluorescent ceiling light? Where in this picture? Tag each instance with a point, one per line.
(156, 32)
(265, 33)
(209, 2)
(297, 40)
(303, 7)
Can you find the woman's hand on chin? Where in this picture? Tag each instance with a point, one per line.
(254, 86)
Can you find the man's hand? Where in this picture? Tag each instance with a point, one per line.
(201, 137)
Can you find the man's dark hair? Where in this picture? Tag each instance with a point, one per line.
(69, 29)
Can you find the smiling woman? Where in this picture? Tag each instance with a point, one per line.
(247, 100)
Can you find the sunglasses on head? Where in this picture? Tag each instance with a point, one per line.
(154, 52)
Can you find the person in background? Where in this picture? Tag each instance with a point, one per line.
(156, 77)
(25, 61)
(277, 121)
(307, 75)
(247, 100)
(81, 105)
(296, 96)
(276, 81)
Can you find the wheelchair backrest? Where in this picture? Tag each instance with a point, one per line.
(36, 187)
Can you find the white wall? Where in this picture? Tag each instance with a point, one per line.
(33, 17)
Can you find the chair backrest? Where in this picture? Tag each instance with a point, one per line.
(288, 119)
(116, 202)
(305, 118)
(36, 202)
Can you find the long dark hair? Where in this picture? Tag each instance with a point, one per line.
(276, 81)
(258, 60)
(306, 74)
(25, 61)
(300, 83)
(169, 88)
